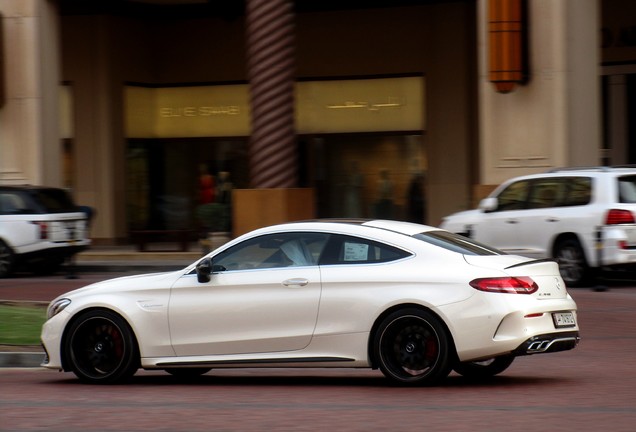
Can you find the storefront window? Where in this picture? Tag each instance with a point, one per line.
(168, 179)
(374, 176)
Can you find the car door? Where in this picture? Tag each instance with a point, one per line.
(543, 219)
(501, 227)
(265, 298)
(352, 269)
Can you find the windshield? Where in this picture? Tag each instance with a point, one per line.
(457, 243)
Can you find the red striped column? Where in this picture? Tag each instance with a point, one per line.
(270, 68)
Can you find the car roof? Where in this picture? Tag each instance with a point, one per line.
(603, 168)
(401, 227)
(575, 172)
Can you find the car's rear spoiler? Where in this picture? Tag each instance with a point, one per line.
(531, 262)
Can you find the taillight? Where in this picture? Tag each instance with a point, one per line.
(508, 285)
(617, 217)
(44, 229)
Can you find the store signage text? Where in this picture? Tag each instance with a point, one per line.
(200, 111)
(391, 102)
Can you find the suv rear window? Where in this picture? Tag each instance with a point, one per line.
(457, 243)
(54, 200)
(36, 201)
(627, 189)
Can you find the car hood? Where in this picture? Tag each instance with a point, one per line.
(465, 216)
(137, 282)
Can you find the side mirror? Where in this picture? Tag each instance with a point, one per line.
(489, 204)
(204, 270)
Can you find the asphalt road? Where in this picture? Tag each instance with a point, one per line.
(590, 388)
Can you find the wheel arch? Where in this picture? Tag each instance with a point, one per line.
(76, 316)
(561, 237)
(392, 309)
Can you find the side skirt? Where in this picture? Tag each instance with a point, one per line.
(253, 362)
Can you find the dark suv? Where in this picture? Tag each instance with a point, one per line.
(40, 227)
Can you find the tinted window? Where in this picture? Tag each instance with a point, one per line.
(354, 250)
(559, 192)
(579, 191)
(457, 243)
(546, 193)
(13, 203)
(514, 196)
(627, 189)
(54, 200)
(273, 251)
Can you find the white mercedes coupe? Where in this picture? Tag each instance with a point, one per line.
(412, 300)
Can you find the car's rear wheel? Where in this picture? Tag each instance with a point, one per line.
(572, 263)
(7, 260)
(412, 347)
(484, 369)
(101, 348)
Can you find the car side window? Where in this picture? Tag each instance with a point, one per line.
(11, 203)
(627, 189)
(354, 250)
(547, 193)
(579, 191)
(514, 196)
(273, 251)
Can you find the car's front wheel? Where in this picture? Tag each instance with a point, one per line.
(7, 259)
(101, 348)
(572, 263)
(484, 369)
(412, 347)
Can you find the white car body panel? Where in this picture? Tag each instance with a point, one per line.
(279, 316)
(64, 229)
(256, 318)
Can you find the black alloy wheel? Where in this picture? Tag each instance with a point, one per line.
(412, 347)
(101, 348)
(484, 369)
(7, 260)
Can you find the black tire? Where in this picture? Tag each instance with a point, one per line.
(573, 265)
(412, 347)
(7, 260)
(484, 369)
(100, 348)
(187, 373)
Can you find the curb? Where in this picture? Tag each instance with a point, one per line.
(21, 359)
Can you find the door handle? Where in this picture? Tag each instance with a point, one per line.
(512, 221)
(295, 282)
(552, 219)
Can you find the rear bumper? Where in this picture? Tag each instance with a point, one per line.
(548, 343)
(54, 253)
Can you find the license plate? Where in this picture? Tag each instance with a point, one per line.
(563, 319)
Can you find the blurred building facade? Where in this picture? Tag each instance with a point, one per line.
(131, 104)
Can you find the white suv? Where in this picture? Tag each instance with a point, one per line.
(583, 217)
(39, 227)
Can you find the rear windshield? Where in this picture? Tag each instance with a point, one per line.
(53, 200)
(627, 189)
(457, 243)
